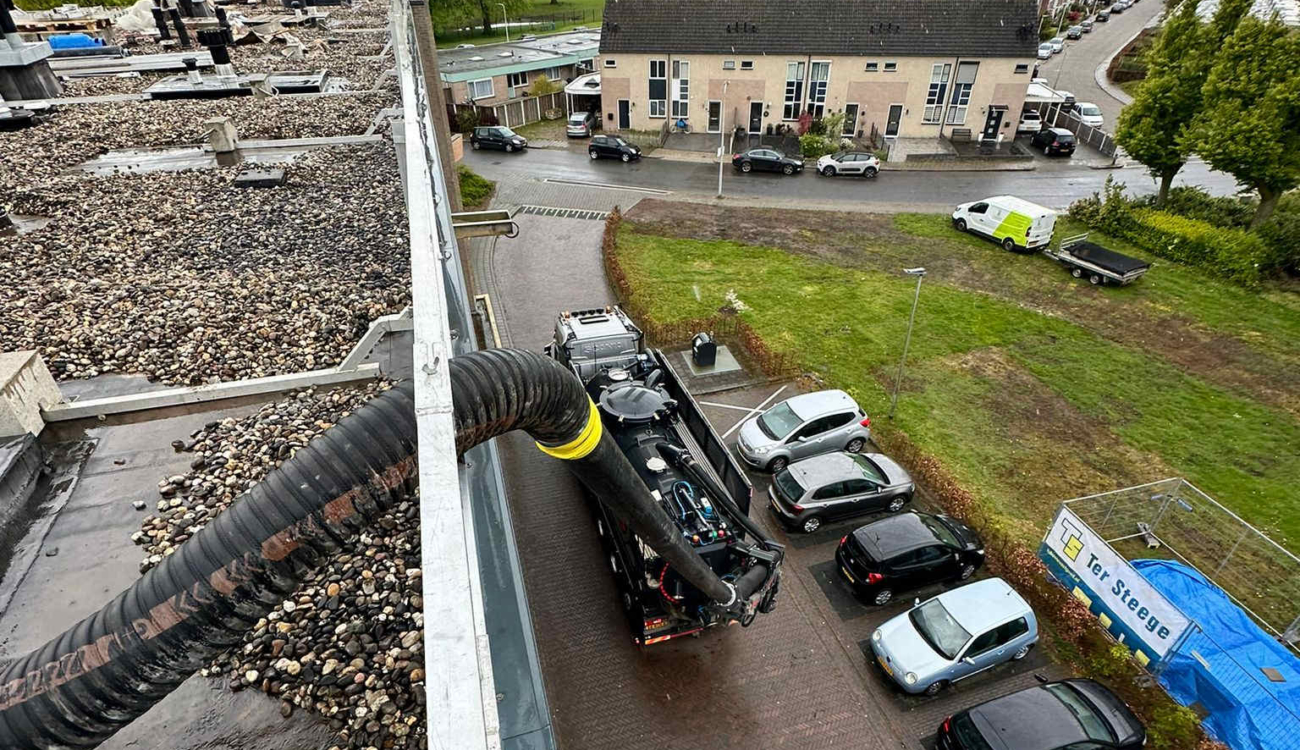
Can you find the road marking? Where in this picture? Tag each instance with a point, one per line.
(754, 411)
(606, 186)
(564, 213)
(725, 406)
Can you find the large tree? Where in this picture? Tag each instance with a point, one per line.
(484, 10)
(1249, 125)
(1153, 128)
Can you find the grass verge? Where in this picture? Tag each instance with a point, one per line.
(475, 191)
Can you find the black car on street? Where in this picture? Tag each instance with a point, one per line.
(907, 551)
(1054, 141)
(766, 160)
(612, 147)
(497, 136)
(1066, 715)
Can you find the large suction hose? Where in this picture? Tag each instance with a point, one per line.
(97, 677)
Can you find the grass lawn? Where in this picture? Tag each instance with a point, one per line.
(590, 9)
(475, 191)
(1029, 386)
(1130, 87)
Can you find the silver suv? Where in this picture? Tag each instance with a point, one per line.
(838, 485)
(803, 426)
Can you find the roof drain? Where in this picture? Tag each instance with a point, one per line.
(81, 687)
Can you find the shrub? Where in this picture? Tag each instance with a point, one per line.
(1282, 233)
(466, 119)
(542, 86)
(1173, 726)
(816, 146)
(1195, 203)
(474, 189)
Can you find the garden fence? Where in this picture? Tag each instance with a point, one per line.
(518, 112)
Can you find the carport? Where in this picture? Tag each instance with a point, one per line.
(582, 94)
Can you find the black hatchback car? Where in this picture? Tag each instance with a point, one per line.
(907, 551)
(1053, 716)
(497, 136)
(612, 147)
(766, 160)
(1054, 141)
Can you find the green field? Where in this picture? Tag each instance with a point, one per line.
(590, 10)
(1030, 387)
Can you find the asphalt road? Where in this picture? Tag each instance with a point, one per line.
(1055, 184)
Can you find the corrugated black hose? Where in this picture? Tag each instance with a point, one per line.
(97, 677)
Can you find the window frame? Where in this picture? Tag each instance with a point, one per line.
(679, 90)
(520, 76)
(817, 89)
(655, 103)
(470, 87)
(746, 64)
(610, 62)
(794, 87)
(959, 98)
(890, 67)
(1022, 68)
(937, 93)
(873, 66)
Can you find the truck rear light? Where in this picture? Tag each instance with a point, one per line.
(654, 623)
(866, 422)
(874, 578)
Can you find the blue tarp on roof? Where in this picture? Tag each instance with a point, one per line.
(1247, 710)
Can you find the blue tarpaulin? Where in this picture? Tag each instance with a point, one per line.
(1221, 665)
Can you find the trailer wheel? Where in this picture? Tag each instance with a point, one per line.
(1095, 279)
(1076, 272)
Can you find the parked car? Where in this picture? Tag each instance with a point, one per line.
(1054, 141)
(1058, 44)
(849, 162)
(838, 485)
(1064, 715)
(497, 136)
(1103, 16)
(1086, 26)
(1074, 32)
(580, 124)
(803, 426)
(766, 160)
(1045, 51)
(612, 147)
(1088, 113)
(1012, 222)
(907, 551)
(1030, 122)
(1117, 8)
(956, 634)
(464, 46)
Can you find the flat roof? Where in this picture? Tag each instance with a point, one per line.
(514, 57)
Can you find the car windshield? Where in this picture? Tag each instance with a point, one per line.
(1065, 137)
(787, 486)
(779, 421)
(940, 531)
(939, 629)
(968, 735)
(618, 141)
(1045, 45)
(577, 118)
(839, 155)
(506, 132)
(1090, 110)
(869, 470)
(1093, 725)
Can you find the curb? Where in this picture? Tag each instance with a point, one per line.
(1099, 73)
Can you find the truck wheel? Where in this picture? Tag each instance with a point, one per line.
(1076, 273)
(811, 524)
(1009, 245)
(1095, 279)
(960, 224)
(778, 464)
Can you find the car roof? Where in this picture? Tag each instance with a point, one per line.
(828, 467)
(981, 605)
(1060, 131)
(894, 535)
(809, 405)
(1029, 719)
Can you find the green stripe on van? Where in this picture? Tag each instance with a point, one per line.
(1016, 226)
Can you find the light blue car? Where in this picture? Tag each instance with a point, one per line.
(956, 634)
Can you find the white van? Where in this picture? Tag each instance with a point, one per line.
(1012, 222)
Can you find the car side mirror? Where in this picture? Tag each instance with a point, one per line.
(916, 602)
(968, 661)
(800, 439)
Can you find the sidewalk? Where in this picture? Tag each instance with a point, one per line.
(915, 165)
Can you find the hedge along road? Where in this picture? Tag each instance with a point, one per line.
(1055, 185)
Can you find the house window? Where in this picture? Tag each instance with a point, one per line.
(611, 62)
(873, 66)
(588, 64)
(1022, 67)
(480, 89)
(939, 75)
(891, 67)
(681, 90)
(821, 75)
(746, 64)
(794, 73)
(728, 64)
(658, 88)
(961, 92)
(516, 81)
(555, 74)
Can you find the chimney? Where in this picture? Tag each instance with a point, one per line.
(192, 70)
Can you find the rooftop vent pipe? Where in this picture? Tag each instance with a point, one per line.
(83, 686)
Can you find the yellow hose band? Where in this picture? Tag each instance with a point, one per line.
(580, 446)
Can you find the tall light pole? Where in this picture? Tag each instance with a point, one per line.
(919, 273)
(722, 132)
(505, 20)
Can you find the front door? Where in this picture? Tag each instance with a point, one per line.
(624, 114)
(715, 117)
(755, 117)
(895, 118)
(991, 124)
(850, 120)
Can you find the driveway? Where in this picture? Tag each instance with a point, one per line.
(1074, 69)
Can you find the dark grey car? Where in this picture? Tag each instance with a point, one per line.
(840, 485)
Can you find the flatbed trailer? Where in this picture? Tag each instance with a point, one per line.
(1099, 265)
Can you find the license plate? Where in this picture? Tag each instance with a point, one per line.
(885, 666)
(847, 574)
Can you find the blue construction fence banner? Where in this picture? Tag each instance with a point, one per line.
(1247, 681)
(1129, 607)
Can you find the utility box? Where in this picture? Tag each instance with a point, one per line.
(26, 387)
(704, 350)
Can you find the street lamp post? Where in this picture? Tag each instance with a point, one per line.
(505, 20)
(919, 273)
(722, 132)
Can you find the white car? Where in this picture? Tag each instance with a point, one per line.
(1044, 51)
(1030, 122)
(1088, 113)
(1058, 44)
(849, 162)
